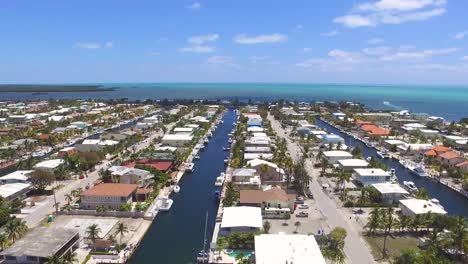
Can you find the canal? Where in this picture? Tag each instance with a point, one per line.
(176, 236)
(453, 202)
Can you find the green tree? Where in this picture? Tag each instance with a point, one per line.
(388, 223)
(92, 232)
(373, 222)
(121, 230)
(15, 229)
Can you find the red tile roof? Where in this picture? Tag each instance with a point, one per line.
(430, 153)
(441, 149)
(449, 155)
(464, 163)
(111, 189)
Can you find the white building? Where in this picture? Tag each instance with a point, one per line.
(176, 140)
(15, 191)
(287, 248)
(390, 193)
(370, 176)
(243, 219)
(351, 164)
(16, 176)
(49, 165)
(413, 207)
(183, 130)
(429, 132)
(334, 156)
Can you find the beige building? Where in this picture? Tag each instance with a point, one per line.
(108, 194)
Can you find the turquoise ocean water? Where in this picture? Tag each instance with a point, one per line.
(450, 102)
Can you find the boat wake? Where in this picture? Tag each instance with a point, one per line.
(389, 104)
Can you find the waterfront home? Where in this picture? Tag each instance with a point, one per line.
(390, 193)
(246, 177)
(374, 131)
(413, 149)
(263, 156)
(254, 129)
(339, 115)
(254, 123)
(241, 219)
(331, 139)
(429, 133)
(108, 194)
(392, 144)
(94, 144)
(40, 244)
(369, 176)
(450, 158)
(351, 164)
(176, 140)
(257, 142)
(257, 149)
(15, 191)
(463, 166)
(275, 202)
(21, 176)
(287, 248)
(183, 130)
(412, 126)
(200, 119)
(65, 152)
(333, 156)
(269, 172)
(126, 175)
(413, 207)
(49, 166)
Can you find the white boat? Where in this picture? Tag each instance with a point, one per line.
(435, 201)
(220, 180)
(196, 157)
(420, 170)
(221, 121)
(230, 140)
(226, 148)
(206, 141)
(226, 161)
(189, 167)
(176, 188)
(410, 186)
(210, 135)
(164, 204)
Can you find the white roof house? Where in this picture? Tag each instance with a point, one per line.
(412, 207)
(255, 129)
(12, 191)
(287, 248)
(176, 140)
(16, 176)
(334, 156)
(49, 164)
(252, 156)
(350, 164)
(242, 218)
(183, 129)
(370, 176)
(390, 192)
(99, 142)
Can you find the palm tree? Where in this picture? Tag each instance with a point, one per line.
(221, 243)
(297, 224)
(15, 229)
(374, 221)
(3, 241)
(55, 260)
(388, 223)
(403, 222)
(459, 235)
(69, 198)
(121, 230)
(92, 232)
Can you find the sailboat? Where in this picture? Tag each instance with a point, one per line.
(203, 256)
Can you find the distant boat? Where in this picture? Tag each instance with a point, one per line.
(189, 167)
(230, 140)
(220, 180)
(217, 195)
(176, 188)
(410, 186)
(196, 157)
(226, 148)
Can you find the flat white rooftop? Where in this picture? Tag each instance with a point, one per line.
(51, 164)
(387, 188)
(10, 189)
(287, 249)
(242, 216)
(353, 163)
(19, 175)
(371, 172)
(418, 206)
(337, 153)
(177, 137)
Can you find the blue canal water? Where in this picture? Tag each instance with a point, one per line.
(176, 236)
(453, 202)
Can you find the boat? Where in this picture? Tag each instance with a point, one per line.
(221, 121)
(202, 147)
(176, 188)
(189, 167)
(230, 140)
(220, 180)
(436, 201)
(217, 195)
(165, 204)
(226, 161)
(206, 141)
(410, 186)
(420, 170)
(196, 157)
(203, 256)
(226, 148)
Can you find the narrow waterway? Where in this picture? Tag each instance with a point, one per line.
(453, 202)
(176, 236)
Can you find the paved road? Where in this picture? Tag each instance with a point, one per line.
(356, 248)
(47, 206)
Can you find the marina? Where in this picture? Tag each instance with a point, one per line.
(453, 202)
(177, 236)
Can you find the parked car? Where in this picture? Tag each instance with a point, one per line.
(300, 200)
(309, 194)
(303, 206)
(302, 214)
(75, 205)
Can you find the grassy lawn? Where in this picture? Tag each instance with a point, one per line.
(394, 245)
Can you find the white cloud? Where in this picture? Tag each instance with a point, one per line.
(382, 50)
(298, 28)
(330, 33)
(255, 59)
(391, 12)
(460, 35)
(88, 45)
(344, 56)
(375, 40)
(417, 55)
(198, 40)
(268, 38)
(194, 6)
(198, 49)
(109, 44)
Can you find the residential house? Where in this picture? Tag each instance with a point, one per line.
(275, 202)
(450, 158)
(351, 164)
(333, 156)
(49, 166)
(176, 140)
(390, 193)
(127, 175)
(21, 176)
(246, 177)
(413, 207)
(241, 219)
(108, 194)
(369, 176)
(268, 171)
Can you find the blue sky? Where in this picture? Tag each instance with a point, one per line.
(332, 41)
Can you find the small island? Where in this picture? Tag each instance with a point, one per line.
(36, 88)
